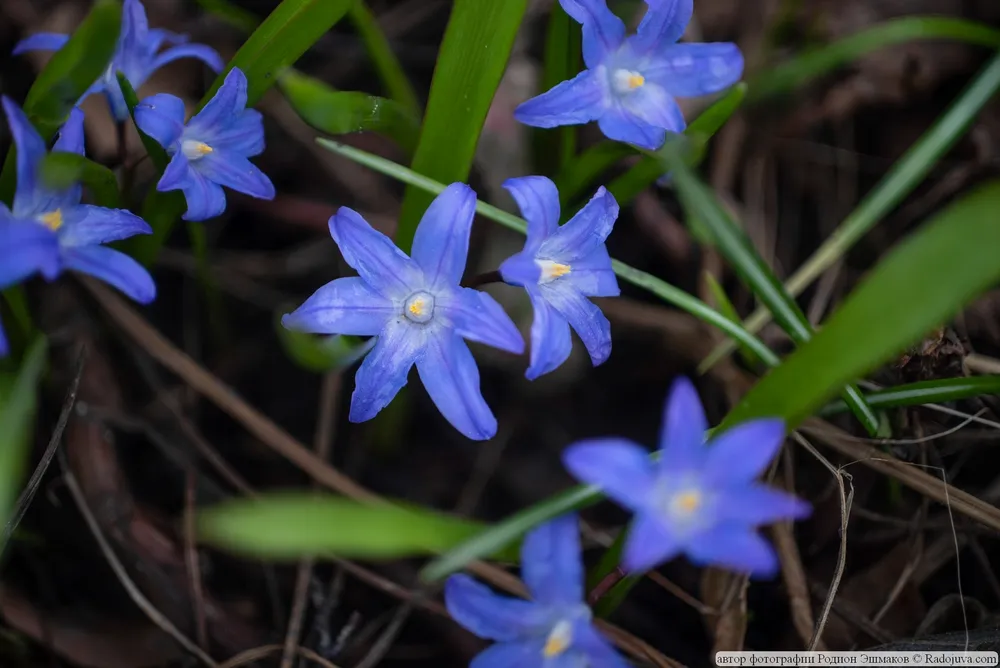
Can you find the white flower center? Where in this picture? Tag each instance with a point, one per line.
(559, 640)
(195, 150)
(551, 270)
(419, 307)
(626, 81)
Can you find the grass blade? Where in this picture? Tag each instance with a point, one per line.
(924, 392)
(948, 262)
(343, 112)
(67, 76)
(389, 69)
(901, 180)
(641, 279)
(61, 170)
(294, 525)
(472, 59)
(700, 203)
(555, 149)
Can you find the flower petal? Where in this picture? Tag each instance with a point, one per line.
(26, 248)
(228, 101)
(42, 41)
(758, 504)
(373, 255)
(510, 655)
(343, 306)
(205, 199)
(70, 138)
(622, 125)
(593, 275)
(384, 371)
(690, 70)
(30, 149)
(682, 433)
(87, 225)
(489, 615)
(161, 116)
(618, 466)
(664, 23)
(449, 373)
(734, 547)
(586, 319)
(520, 269)
(652, 104)
(585, 232)
(478, 317)
(596, 647)
(603, 32)
(575, 102)
(649, 543)
(538, 200)
(441, 242)
(743, 452)
(551, 566)
(205, 54)
(234, 171)
(551, 343)
(135, 29)
(244, 134)
(114, 268)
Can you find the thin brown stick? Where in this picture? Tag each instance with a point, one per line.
(191, 561)
(327, 409)
(258, 653)
(133, 591)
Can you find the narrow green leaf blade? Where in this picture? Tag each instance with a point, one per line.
(294, 525)
(343, 112)
(924, 392)
(61, 170)
(18, 404)
(555, 148)
(921, 284)
(389, 69)
(472, 59)
(287, 33)
(321, 354)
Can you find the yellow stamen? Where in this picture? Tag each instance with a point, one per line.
(687, 502)
(558, 270)
(417, 307)
(204, 148)
(52, 220)
(636, 80)
(559, 640)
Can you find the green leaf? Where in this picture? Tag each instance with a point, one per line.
(389, 69)
(904, 176)
(293, 525)
(647, 171)
(156, 152)
(338, 113)
(235, 16)
(657, 286)
(555, 149)
(66, 77)
(814, 63)
(471, 61)
(727, 309)
(62, 170)
(924, 392)
(590, 165)
(700, 202)
(921, 284)
(287, 33)
(506, 535)
(321, 354)
(18, 404)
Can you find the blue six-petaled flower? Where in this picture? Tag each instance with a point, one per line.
(212, 150)
(555, 629)
(418, 311)
(699, 499)
(559, 268)
(50, 231)
(137, 54)
(630, 83)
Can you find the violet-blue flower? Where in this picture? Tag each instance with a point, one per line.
(554, 629)
(212, 150)
(49, 231)
(559, 268)
(418, 311)
(699, 499)
(630, 84)
(137, 54)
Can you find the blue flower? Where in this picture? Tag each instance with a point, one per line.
(50, 231)
(552, 631)
(700, 498)
(417, 310)
(212, 150)
(136, 54)
(630, 83)
(560, 267)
